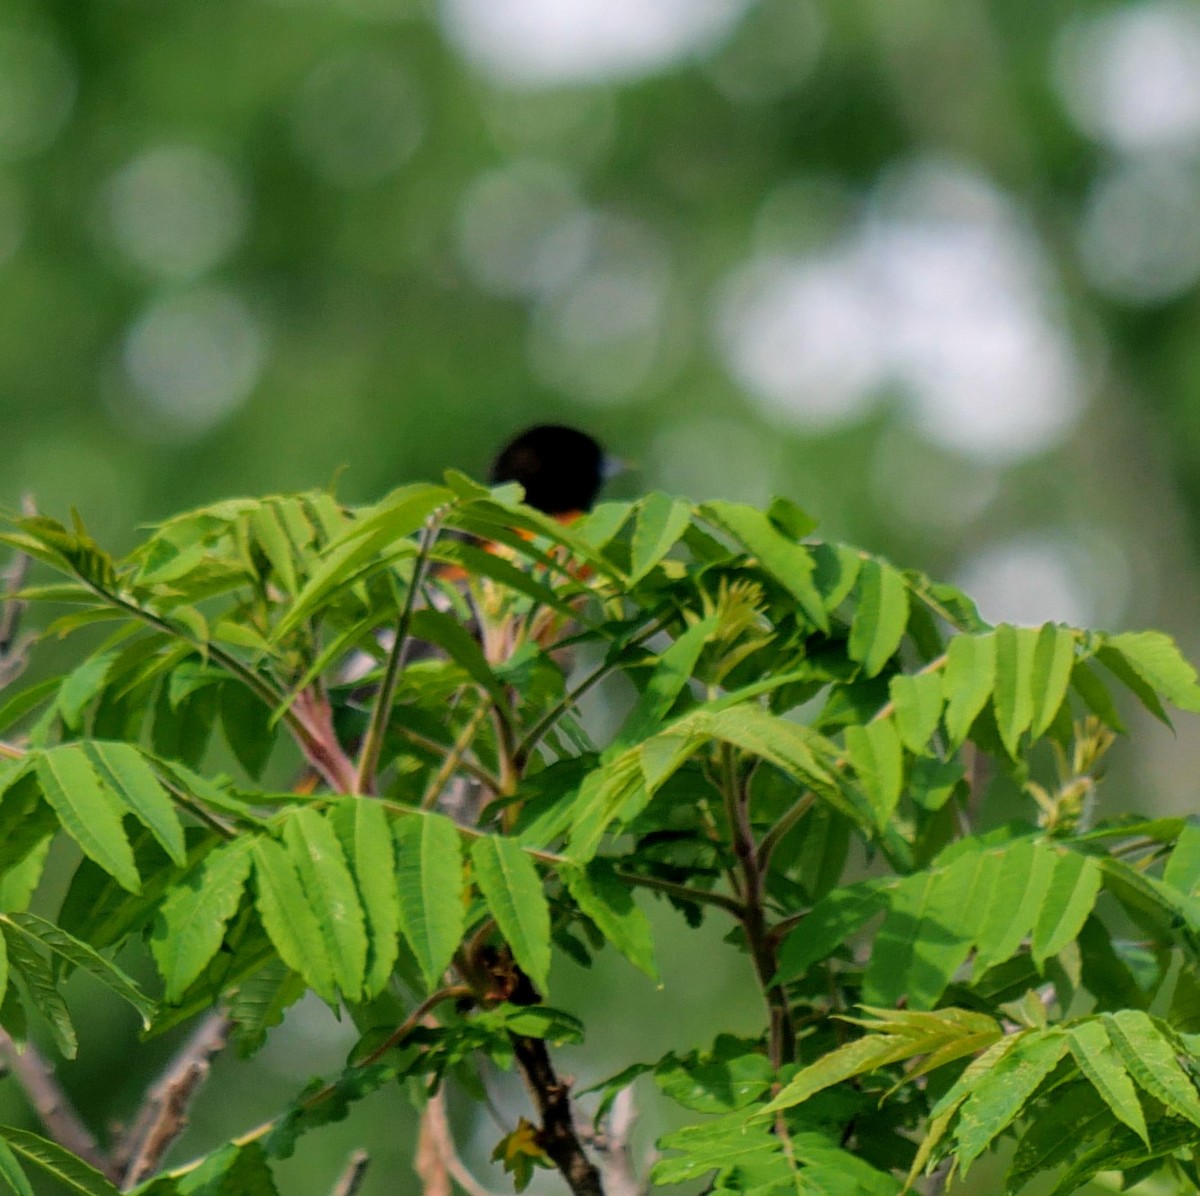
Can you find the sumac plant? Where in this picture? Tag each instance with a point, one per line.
(886, 802)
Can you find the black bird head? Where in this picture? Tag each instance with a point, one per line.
(561, 468)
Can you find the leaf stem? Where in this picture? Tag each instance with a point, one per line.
(372, 745)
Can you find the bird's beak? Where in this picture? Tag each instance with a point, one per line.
(612, 467)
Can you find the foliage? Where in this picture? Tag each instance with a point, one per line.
(813, 747)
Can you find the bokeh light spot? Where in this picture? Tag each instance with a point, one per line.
(37, 92)
(550, 42)
(358, 117)
(1130, 75)
(939, 291)
(523, 229)
(176, 210)
(1140, 234)
(604, 334)
(194, 358)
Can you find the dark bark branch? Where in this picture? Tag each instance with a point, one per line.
(552, 1098)
(163, 1115)
(50, 1102)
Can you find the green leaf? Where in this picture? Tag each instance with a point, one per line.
(608, 901)
(192, 920)
(81, 686)
(918, 700)
(668, 680)
(437, 627)
(1095, 695)
(1013, 699)
(1156, 658)
(1100, 1063)
(969, 678)
(789, 563)
(830, 923)
(429, 883)
(246, 722)
(11, 1172)
(26, 962)
(877, 755)
(865, 1054)
(78, 953)
(510, 885)
(1053, 658)
(660, 522)
(1151, 1061)
(880, 617)
(927, 934)
(734, 1074)
(124, 769)
(1014, 903)
(273, 539)
(403, 512)
(325, 877)
(73, 1173)
(87, 811)
(363, 830)
(1183, 866)
(1001, 1093)
(288, 918)
(1074, 884)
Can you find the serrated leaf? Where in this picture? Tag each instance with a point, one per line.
(660, 522)
(1013, 695)
(1156, 658)
(87, 813)
(459, 644)
(1074, 884)
(1102, 1065)
(1183, 866)
(81, 686)
(927, 934)
(789, 563)
(969, 678)
(880, 618)
(512, 888)
(73, 1173)
(429, 883)
(918, 700)
(124, 769)
(877, 755)
(362, 828)
(325, 877)
(78, 953)
(1053, 658)
(192, 920)
(1001, 1093)
(731, 1076)
(830, 923)
(397, 516)
(1095, 695)
(668, 680)
(608, 901)
(1150, 1060)
(1011, 907)
(273, 539)
(11, 1172)
(288, 919)
(865, 1054)
(246, 722)
(27, 963)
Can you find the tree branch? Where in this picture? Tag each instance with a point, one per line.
(163, 1115)
(437, 1160)
(552, 1099)
(54, 1108)
(352, 1177)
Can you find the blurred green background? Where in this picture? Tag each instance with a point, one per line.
(928, 268)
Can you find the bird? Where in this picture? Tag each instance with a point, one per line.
(560, 468)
